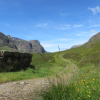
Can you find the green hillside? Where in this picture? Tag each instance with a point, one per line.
(84, 85)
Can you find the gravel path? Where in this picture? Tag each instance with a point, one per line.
(15, 90)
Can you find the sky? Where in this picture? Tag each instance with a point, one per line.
(53, 23)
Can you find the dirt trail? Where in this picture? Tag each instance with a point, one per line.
(15, 88)
(75, 67)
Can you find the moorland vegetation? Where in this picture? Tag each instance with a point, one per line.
(82, 86)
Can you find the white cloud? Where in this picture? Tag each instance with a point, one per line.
(91, 34)
(38, 25)
(24, 27)
(6, 24)
(78, 25)
(62, 14)
(45, 24)
(89, 21)
(29, 37)
(78, 34)
(47, 45)
(67, 25)
(55, 45)
(84, 32)
(93, 31)
(95, 10)
(64, 39)
(49, 41)
(56, 40)
(95, 26)
(63, 27)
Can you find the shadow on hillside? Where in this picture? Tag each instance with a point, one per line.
(16, 68)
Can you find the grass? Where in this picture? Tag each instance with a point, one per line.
(86, 88)
(82, 86)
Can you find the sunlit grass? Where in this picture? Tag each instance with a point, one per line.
(82, 86)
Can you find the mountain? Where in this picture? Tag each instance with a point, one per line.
(33, 46)
(94, 38)
(75, 46)
(33, 42)
(20, 45)
(5, 41)
(13, 38)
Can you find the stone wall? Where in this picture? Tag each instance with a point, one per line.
(9, 57)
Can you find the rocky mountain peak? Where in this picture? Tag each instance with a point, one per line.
(13, 38)
(32, 46)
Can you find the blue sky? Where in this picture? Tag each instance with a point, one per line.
(53, 23)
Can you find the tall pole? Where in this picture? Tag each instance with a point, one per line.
(59, 48)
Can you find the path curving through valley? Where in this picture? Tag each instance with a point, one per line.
(14, 91)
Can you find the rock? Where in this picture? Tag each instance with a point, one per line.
(22, 82)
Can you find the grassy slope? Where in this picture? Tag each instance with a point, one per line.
(6, 48)
(87, 61)
(86, 82)
(83, 57)
(80, 56)
(43, 68)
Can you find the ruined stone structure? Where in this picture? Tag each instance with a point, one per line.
(9, 57)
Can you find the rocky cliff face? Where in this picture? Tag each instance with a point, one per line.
(32, 46)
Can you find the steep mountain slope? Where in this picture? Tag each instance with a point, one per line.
(94, 38)
(20, 45)
(86, 54)
(88, 44)
(75, 46)
(5, 41)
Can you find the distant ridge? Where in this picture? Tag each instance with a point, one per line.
(76, 46)
(93, 39)
(20, 45)
(33, 46)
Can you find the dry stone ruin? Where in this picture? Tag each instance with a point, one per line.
(9, 58)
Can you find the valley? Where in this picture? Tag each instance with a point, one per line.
(86, 60)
